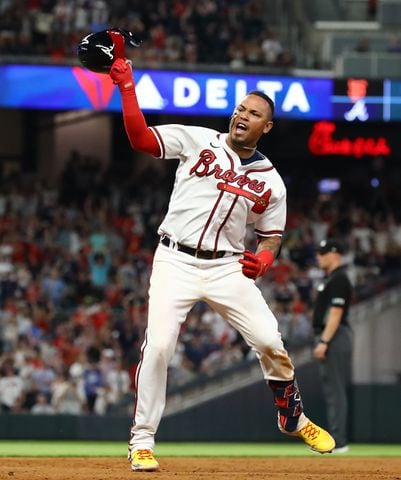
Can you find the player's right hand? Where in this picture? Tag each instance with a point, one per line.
(256, 265)
(121, 74)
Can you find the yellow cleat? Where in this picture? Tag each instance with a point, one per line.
(316, 437)
(142, 460)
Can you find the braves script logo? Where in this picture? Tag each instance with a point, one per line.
(97, 87)
(204, 167)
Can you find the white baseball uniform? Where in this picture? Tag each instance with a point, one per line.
(215, 196)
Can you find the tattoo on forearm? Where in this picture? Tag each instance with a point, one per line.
(270, 243)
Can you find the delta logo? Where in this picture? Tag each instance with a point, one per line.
(99, 89)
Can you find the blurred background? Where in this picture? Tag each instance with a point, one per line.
(79, 210)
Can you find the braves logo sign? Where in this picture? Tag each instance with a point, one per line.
(204, 167)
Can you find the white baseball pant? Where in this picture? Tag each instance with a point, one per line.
(177, 282)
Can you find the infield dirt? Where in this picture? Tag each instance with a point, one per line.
(271, 468)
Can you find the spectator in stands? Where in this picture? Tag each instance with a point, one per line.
(188, 32)
(42, 378)
(42, 406)
(98, 239)
(53, 286)
(284, 290)
(300, 332)
(394, 44)
(93, 380)
(223, 358)
(271, 47)
(67, 398)
(100, 265)
(237, 58)
(363, 45)
(181, 370)
(12, 394)
(283, 315)
(116, 377)
(196, 349)
(304, 284)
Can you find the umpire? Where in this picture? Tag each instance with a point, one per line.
(333, 347)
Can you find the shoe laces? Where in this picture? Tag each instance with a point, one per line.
(144, 454)
(311, 431)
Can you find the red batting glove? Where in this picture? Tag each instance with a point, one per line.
(121, 74)
(256, 265)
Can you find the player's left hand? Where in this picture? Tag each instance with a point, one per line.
(121, 74)
(256, 265)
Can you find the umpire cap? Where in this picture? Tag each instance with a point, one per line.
(330, 245)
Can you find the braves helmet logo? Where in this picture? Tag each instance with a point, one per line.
(85, 40)
(107, 50)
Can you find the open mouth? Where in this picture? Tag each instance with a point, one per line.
(240, 127)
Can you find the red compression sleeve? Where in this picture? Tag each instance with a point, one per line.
(140, 135)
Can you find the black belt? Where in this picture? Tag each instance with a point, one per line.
(194, 252)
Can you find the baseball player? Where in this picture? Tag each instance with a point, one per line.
(222, 184)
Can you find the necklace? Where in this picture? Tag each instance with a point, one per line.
(251, 149)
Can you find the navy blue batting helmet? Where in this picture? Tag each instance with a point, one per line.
(97, 51)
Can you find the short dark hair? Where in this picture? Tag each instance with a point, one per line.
(265, 97)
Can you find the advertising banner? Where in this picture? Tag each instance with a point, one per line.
(167, 92)
(198, 93)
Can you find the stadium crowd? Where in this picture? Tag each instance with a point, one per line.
(75, 261)
(235, 33)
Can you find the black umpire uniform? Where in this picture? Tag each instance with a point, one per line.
(335, 290)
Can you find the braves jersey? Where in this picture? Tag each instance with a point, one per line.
(215, 195)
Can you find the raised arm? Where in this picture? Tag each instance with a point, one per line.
(141, 137)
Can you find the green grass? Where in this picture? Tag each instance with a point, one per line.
(19, 448)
